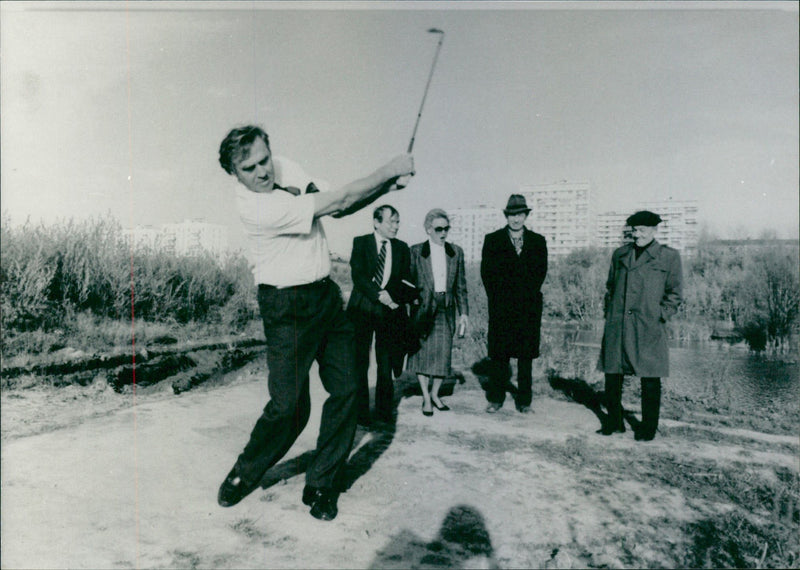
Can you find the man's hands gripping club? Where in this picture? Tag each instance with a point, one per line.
(394, 175)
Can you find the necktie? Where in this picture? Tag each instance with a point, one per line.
(294, 191)
(378, 277)
(290, 189)
(517, 241)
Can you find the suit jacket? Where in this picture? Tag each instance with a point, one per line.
(513, 286)
(641, 296)
(363, 261)
(364, 308)
(422, 277)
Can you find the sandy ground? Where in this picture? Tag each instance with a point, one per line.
(131, 482)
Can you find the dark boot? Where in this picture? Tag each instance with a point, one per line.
(651, 408)
(613, 396)
(499, 380)
(524, 394)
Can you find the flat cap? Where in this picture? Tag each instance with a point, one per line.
(643, 218)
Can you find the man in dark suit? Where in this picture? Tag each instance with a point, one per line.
(379, 264)
(513, 268)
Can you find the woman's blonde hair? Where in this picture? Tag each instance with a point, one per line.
(432, 215)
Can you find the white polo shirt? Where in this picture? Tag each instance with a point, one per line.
(286, 245)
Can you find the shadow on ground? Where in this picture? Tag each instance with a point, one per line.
(408, 385)
(462, 542)
(382, 435)
(580, 392)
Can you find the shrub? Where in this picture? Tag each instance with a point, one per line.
(50, 274)
(768, 296)
(575, 284)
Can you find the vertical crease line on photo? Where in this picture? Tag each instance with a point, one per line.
(131, 253)
(297, 387)
(255, 65)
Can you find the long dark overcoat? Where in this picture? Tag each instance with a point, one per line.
(641, 296)
(513, 286)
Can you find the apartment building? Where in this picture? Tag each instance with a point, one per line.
(189, 237)
(678, 228)
(564, 213)
(143, 237)
(611, 229)
(468, 226)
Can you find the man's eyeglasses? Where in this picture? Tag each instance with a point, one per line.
(442, 229)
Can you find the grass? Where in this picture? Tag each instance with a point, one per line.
(86, 334)
(761, 531)
(81, 283)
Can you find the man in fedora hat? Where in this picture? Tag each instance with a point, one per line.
(642, 292)
(513, 268)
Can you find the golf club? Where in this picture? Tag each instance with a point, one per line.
(425, 94)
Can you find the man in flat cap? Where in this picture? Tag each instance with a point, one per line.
(642, 292)
(513, 268)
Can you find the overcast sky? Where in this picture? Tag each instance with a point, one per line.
(120, 107)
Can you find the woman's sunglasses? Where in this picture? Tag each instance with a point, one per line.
(442, 229)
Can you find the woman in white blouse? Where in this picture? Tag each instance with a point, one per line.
(437, 269)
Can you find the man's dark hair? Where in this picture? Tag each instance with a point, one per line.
(378, 214)
(236, 146)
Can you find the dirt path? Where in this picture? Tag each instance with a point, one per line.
(136, 487)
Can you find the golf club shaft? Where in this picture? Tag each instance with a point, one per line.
(425, 94)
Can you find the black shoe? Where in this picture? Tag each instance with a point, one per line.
(324, 507)
(426, 413)
(607, 430)
(641, 435)
(311, 494)
(233, 490)
(444, 407)
(524, 409)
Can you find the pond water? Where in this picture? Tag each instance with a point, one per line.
(713, 369)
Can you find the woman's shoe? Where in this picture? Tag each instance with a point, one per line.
(443, 408)
(426, 413)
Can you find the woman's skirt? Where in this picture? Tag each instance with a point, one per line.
(434, 356)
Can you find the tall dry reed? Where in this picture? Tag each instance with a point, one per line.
(49, 273)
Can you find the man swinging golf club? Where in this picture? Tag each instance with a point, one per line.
(301, 308)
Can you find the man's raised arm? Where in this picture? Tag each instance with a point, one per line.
(353, 196)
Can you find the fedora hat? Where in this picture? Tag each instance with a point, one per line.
(516, 205)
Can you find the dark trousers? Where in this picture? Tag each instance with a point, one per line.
(303, 324)
(651, 403)
(366, 327)
(501, 375)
